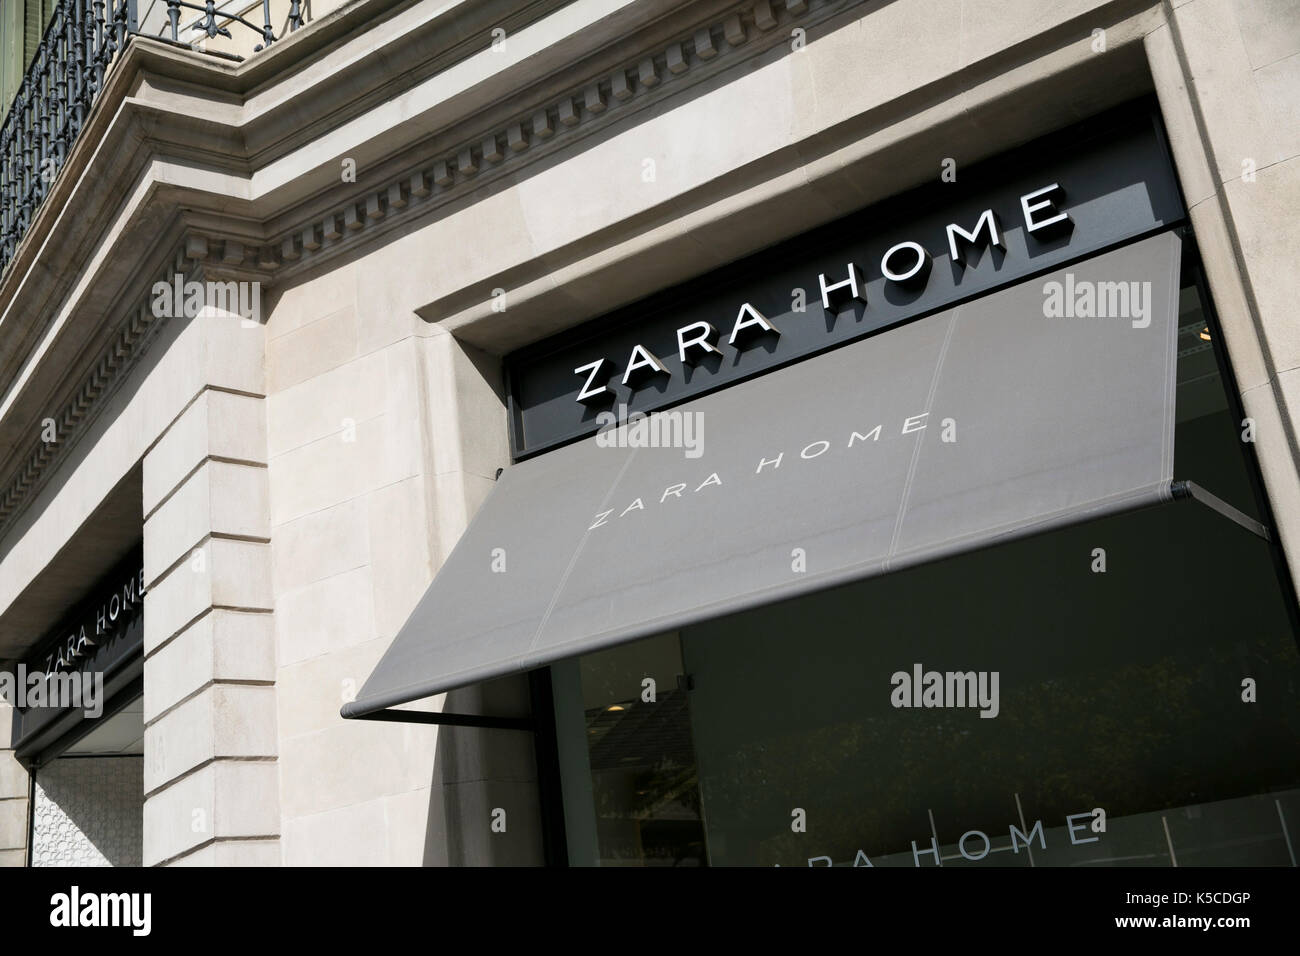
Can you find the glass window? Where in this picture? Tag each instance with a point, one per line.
(642, 806)
(1121, 692)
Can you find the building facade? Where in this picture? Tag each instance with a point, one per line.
(969, 516)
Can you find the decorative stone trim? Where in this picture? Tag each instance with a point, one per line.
(743, 33)
(135, 333)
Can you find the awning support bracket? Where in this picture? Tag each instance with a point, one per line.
(450, 720)
(1193, 491)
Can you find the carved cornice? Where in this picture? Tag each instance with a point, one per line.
(725, 41)
(196, 257)
(644, 79)
(165, 103)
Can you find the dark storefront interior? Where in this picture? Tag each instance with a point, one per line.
(87, 762)
(1092, 535)
(1120, 690)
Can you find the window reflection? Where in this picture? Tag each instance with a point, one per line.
(645, 791)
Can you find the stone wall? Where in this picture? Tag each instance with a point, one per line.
(14, 796)
(305, 478)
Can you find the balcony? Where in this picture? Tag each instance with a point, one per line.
(79, 47)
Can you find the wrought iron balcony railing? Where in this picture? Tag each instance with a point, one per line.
(64, 79)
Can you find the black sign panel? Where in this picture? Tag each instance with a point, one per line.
(98, 645)
(969, 232)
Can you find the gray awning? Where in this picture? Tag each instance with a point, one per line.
(976, 424)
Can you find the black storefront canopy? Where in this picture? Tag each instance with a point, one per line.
(971, 426)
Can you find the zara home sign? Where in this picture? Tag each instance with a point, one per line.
(1054, 201)
(90, 637)
(904, 264)
(102, 639)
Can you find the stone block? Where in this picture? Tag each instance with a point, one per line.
(218, 498)
(224, 645)
(355, 835)
(13, 823)
(321, 544)
(1268, 234)
(14, 780)
(325, 616)
(217, 424)
(221, 573)
(326, 404)
(225, 720)
(312, 349)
